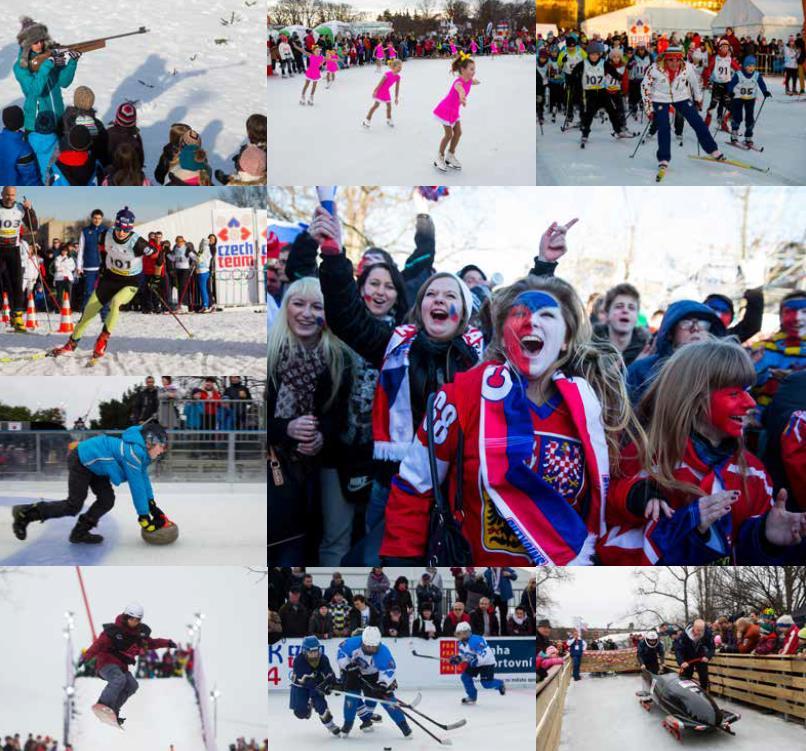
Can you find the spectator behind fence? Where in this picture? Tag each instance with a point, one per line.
(426, 625)
(294, 615)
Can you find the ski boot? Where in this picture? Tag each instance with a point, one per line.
(748, 143)
(23, 515)
(717, 156)
(70, 346)
(81, 532)
(439, 163)
(468, 700)
(100, 345)
(724, 126)
(583, 141)
(18, 323)
(327, 721)
(452, 161)
(662, 167)
(734, 136)
(121, 720)
(365, 123)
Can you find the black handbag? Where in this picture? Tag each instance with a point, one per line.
(286, 498)
(447, 546)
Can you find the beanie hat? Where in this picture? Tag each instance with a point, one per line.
(126, 115)
(544, 623)
(13, 117)
(45, 122)
(595, 47)
(471, 267)
(84, 98)
(124, 219)
(749, 60)
(191, 138)
(785, 620)
(79, 138)
(191, 158)
(673, 50)
(766, 627)
(253, 161)
(719, 303)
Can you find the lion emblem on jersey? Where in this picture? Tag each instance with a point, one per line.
(496, 535)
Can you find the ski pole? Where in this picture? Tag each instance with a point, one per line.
(176, 318)
(38, 268)
(760, 110)
(641, 139)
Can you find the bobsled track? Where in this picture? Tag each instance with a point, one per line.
(604, 714)
(495, 722)
(162, 714)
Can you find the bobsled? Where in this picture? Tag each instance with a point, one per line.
(686, 705)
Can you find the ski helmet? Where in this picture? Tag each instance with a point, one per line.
(124, 220)
(312, 650)
(155, 434)
(462, 628)
(651, 637)
(371, 640)
(134, 610)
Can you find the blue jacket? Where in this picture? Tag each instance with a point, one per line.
(91, 255)
(505, 584)
(43, 89)
(123, 459)
(18, 165)
(643, 371)
(43, 144)
(194, 415)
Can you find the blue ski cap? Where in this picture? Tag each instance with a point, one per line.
(749, 60)
(595, 48)
(124, 220)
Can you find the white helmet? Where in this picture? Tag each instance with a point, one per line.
(371, 639)
(652, 635)
(463, 628)
(134, 610)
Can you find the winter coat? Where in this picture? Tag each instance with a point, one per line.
(357, 621)
(321, 625)
(686, 649)
(118, 644)
(749, 639)
(194, 415)
(43, 89)
(401, 598)
(525, 628)
(346, 592)
(642, 372)
(45, 146)
(529, 601)
(638, 341)
(100, 140)
(294, 619)
(89, 252)
(768, 645)
(428, 594)
(400, 627)
(74, 168)
(64, 268)
(180, 257)
(311, 598)
(18, 162)
(421, 630)
(377, 587)
(451, 622)
(117, 135)
(504, 582)
(145, 405)
(477, 622)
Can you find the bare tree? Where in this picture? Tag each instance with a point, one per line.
(547, 576)
(652, 584)
(427, 8)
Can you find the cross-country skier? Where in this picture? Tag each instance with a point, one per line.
(568, 59)
(368, 668)
(122, 251)
(475, 651)
(13, 218)
(742, 88)
(114, 650)
(311, 677)
(636, 70)
(542, 81)
(718, 73)
(556, 81)
(96, 464)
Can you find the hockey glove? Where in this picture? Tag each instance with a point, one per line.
(454, 660)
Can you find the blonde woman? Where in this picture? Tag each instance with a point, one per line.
(308, 389)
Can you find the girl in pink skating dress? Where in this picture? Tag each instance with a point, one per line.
(379, 56)
(474, 48)
(312, 73)
(331, 67)
(382, 93)
(493, 48)
(447, 111)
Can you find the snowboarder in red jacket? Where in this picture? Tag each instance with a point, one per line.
(114, 650)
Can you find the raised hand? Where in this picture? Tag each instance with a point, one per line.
(326, 229)
(552, 243)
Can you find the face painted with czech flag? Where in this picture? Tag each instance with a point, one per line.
(793, 317)
(534, 333)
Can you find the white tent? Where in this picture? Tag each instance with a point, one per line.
(545, 29)
(774, 19)
(193, 223)
(664, 16)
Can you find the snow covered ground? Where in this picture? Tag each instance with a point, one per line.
(606, 161)
(176, 73)
(219, 524)
(163, 712)
(231, 341)
(603, 713)
(327, 144)
(494, 722)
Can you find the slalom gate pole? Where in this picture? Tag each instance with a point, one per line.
(641, 139)
(176, 318)
(86, 601)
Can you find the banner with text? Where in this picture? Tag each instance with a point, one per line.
(238, 249)
(639, 30)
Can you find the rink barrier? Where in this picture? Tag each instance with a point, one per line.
(551, 694)
(776, 682)
(515, 658)
(610, 661)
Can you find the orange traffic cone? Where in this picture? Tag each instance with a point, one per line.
(6, 310)
(66, 323)
(30, 314)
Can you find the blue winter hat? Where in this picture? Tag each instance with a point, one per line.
(188, 158)
(45, 122)
(124, 220)
(748, 61)
(595, 47)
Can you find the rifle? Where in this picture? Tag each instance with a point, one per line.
(89, 46)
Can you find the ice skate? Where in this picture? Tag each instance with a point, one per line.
(452, 161)
(439, 163)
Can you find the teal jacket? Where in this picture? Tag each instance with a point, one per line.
(43, 89)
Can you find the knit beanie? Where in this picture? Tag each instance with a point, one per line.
(13, 117)
(79, 138)
(126, 115)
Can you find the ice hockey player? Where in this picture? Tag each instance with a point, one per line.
(122, 251)
(719, 72)
(368, 668)
(311, 678)
(96, 464)
(117, 647)
(742, 88)
(475, 651)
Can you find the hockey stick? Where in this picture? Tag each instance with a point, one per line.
(427, 657)
(444, 726)
(396, 704)
(168, 308)
(438, 739)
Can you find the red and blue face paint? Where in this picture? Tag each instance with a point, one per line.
(793, 317)
(534, 333)
(729, 407)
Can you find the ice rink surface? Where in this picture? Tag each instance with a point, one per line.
(493, 722)
(606, 160)
(232, 341)
(604, 714)
(327, 144)
(219, 524)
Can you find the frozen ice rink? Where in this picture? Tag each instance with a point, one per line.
(327, 144)
(219, 524)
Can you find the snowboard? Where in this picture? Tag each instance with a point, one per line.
(105, 715)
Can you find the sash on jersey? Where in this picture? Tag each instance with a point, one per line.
(550, 530)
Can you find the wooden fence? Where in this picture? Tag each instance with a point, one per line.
(776, 682)
(550, 703)
(610, 661)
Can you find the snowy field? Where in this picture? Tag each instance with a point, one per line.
(162, 712)
(604, 714)
(494, 722)
(606, 161)
(232, 341)
(175, 73)
(219, 524)
(327, 144)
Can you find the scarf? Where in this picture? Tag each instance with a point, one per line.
(550, 531)
(298, 372)
(392, 419)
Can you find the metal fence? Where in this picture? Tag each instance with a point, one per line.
(194, 455)
(222, 414)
